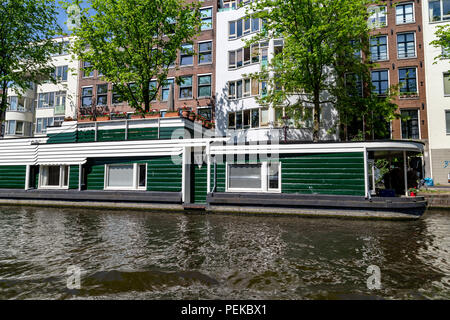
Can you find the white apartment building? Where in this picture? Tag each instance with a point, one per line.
(47, 104)
(238, 112)
(437, 13)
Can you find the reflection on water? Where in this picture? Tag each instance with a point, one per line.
(132, 255)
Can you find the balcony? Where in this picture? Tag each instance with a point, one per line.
(60, 110)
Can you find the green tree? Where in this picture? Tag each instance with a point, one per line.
(442, 41)
(323, 40)
(26, 46)
(134, 41)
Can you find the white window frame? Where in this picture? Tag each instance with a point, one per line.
(418, 122)
(264, 179)
(377, 10)
(199, 86)
(135, 186)
(417, 80)
(415, 45)
(61, 178)
(413, 12)
(199, 52)
(441, 13)
(212, 18)
(387, 47)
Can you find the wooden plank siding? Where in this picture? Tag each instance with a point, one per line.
(73, 177)
(333, 173)
(327, 173)
(200, 180)
(162, 174)
(12, 177)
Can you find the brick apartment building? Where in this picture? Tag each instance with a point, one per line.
(198, 72)
(397, 49)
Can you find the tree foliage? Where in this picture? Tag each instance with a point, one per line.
(323, 40)
(26, 46)
(134, 41)
(442, 41)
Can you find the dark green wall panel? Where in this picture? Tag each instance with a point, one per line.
(200, 183)
(86, 136)
(73, 177)
(164, 175)
(95, 177)
(334, 173)
(12, 177)
(64, 137)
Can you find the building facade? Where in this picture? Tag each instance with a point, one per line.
(238, 112)
(437, 13)
(197, 73)
(45, 105)
(397, 49)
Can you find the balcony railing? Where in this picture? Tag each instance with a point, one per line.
(60, 110)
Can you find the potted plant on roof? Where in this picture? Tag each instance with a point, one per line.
(151, 114)
(104, 116)
(172, 114)
(85, 118)
(412, 192)
(138, 115)
(185, 111)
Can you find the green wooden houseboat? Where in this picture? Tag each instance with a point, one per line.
(175, 164)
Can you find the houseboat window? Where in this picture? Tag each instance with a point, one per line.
(54, 176)
(142, 175)
(244, 176)
(120, 176)
(273, 171)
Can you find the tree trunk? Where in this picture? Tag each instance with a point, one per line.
(316, 116)
(146, 96)
(3, 105)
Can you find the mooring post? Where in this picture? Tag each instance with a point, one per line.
(405, 168)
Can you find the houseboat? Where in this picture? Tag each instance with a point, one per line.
(176, 164)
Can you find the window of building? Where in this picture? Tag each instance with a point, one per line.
(205, 112)
(186, 56)
(404, 13)
(87, 73)
(245, 176)
(60, 106)
(244, 26)
(378, 48)
(13, 103)
(232, 30)
(249, 118)
(46, 100)
(102, 94)
(166, 89)
(116, 96)
(205, 52)
(380, 81)
(447, 84)
(16, 128)
(258, 177)
(407, 80)
(86, 97)
(43, 123)
(354, 84)
(204, 86)
(60, 73)
(206, 16)
(377, 17)
(439, 10)
(153, 87)
(406, 46)
(447, 121)
(255, 24)
(186, 87)
(54, 177)
(410, 125)
(126, 176)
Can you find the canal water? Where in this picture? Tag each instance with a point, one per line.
(136, 255)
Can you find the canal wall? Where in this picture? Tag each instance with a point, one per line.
(437, 201)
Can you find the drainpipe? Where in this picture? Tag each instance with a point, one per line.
(405, 170)
(80, 172)
(366, 175)
(215, 175)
